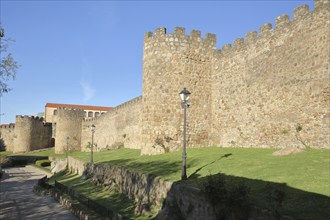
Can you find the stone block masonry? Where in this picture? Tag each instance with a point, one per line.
(271, 89)
(31, 133)
(68, 123)
(7, 137)
(120, 127)
(268, 90)
(170, 63)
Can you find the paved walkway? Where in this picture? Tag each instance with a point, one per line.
(18, 201)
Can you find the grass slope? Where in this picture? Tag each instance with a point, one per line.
(304, 177)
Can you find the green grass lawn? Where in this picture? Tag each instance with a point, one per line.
(304, 177)
(5, 153)
(48, 152)
(308, 171)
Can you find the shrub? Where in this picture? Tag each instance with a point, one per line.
(275, 199)
(229, 199)
(43, 163)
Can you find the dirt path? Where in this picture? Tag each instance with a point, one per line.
(17, 201)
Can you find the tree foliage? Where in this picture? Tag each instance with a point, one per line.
(8, 65)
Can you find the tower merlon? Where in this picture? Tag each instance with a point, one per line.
(251, 37)
(211, 38)
(265, 29)
(239, 43)
(282, 21)
(179, 31)
(148, 35)
(300, 12)
(160, 31)
(195, 34)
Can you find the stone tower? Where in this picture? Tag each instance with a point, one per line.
(31, 134)
(170, 63)
(68, 124)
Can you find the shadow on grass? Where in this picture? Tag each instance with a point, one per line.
(297, 204)
(155, 168)
(195, 174)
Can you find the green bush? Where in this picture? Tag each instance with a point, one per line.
(229, 199)
(43, 163)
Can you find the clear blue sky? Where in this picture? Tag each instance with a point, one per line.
(90, 52)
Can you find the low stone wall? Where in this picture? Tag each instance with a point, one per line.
(76, 166)
(148, 191)
(174, 201)
(183, 202)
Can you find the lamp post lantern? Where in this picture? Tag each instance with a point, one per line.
(93, 131)
(184, 95)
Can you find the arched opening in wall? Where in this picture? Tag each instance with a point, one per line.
(90, 114)
(85, 114)
(52, 142)
(97, 114)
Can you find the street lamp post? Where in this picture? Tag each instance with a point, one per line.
(184, 95)
(93, 130)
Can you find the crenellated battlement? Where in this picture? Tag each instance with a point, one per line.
(7, 126)
(284, 27)
(29, 118)
(178, 40)
(115, 110)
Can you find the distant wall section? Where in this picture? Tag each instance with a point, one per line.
(31, 134)
(120, 127)
(7, 136)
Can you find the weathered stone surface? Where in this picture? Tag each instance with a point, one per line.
(68, 129)
(120, 127)
(58, 165)
(253, 94)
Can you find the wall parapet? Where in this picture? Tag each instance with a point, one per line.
(283, 26)
(7, 126)
(115, 110)
(179, 40)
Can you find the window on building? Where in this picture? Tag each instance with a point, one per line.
(90, 114)
(55, 112)
(85, 114)
(97, 114)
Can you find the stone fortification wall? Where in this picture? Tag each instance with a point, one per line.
(270, 90)
(119, 127)
(7, 132)
(68, 129)
(273, 88)
(31, 134)
(170, 63)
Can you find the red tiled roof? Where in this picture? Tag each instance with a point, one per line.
(85, 107)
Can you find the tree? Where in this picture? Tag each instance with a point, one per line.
(8, 65)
